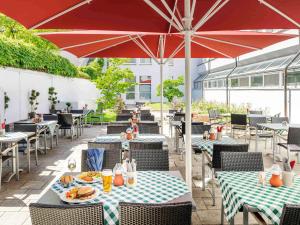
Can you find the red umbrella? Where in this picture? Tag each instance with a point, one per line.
(154, 15)
(114, 44)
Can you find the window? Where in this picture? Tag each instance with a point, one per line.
(130, 94)
(131, 61)
(145, 61)
(244, 82)
(197, 85)
(257, 81)
(213, 84)
(205, 84)
(145, 87)
(234, 82)
(294, 78)
(271, 80)
(171, 62)
(221, 83)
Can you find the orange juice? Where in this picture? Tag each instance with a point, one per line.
(107, 180)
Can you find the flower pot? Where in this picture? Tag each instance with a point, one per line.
(275, 180)
(31, 115)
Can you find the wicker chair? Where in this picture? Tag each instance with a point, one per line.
(42, 214)
(256, 112)
(147, 117)
(77, 111)
(293, 141)
(290, 215)
(155, 214)
(149, 129)
(49, 117)
(145, 111)
(123, 117)
(126, 111)
(240, 161)
(112, 154)
(150, 159)
(239, 122)
(279, 119)
(117, 129)
(179, 116)
(133, 145)
(253, 124)
(216, 160)
(65, 122)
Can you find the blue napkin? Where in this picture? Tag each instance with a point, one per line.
(94, 159)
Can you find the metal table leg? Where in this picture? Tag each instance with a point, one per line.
(203, 171)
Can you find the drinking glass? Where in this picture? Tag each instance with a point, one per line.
(72, 164)
(107, 180)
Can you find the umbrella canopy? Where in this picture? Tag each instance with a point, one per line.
(213, 44)
(154, 15)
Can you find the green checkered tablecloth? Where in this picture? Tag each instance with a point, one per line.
(125, 143)
(239, 188)
(207, 145)
(152, 187)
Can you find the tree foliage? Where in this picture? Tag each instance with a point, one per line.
(93, 69)
(171, 88)
(113, 82)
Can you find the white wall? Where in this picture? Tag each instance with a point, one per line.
(215, 95)
(18, 83)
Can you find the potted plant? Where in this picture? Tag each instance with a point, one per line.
(33, 103)
(6, 101)
(69, 106)
(53, 99)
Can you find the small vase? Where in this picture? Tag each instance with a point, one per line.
(219, 136)
(118, 180)
(131, 179)
(275, 180)
(288, 178)
(212, 136)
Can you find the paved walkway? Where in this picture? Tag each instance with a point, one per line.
(16, 196)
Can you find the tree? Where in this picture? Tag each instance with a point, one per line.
(113, 82)
(93, 69)
(171, 88)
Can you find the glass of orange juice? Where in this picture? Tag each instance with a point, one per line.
(107, 180)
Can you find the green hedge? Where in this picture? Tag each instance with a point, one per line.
(17, 53)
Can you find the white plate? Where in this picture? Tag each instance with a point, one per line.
(63, 197)
(95, 180)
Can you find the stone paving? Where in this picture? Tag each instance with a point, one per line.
(15, 196)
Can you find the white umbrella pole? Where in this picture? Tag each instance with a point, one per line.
(188, 95)
(161, 84)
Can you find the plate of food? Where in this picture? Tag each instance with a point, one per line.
(81, 194)
(89, 177)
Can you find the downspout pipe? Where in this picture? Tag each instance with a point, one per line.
(204, 78)
(285, 84)
(227, 83)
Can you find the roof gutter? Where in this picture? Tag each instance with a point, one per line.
(227, 83)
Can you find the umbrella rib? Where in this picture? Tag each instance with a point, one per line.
(179, 47)
(102, 49)
(210, 13)
(60, 14)
(172, 13)
(143, 48)
(93, 42)
(156, 9)
(212, 49)
(227, 42)
(146, 46)
(273, 8)
(193, 8)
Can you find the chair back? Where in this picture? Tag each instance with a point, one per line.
(290, 215)
(172, 111)
(256, 112)
(279, 119)
(179, 116)
(253, 121)
(147, 117)
(294, 136)
(66, 214)
(145, 111)
(65, 119)
(49, 117)
(126, 111)
(239, 119)
(194, 124)
(77, 111)
(200, 129)
(149, 129)
(158, 214)
(133, 145)
(218, 148)
(123, 117)
(116, 129)
(150, 159)
(242, 161)
(25, 127)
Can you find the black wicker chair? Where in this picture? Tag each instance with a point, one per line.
(77, 111)
(279, 119)
(242, 161)
(148, 129)
(173, 111)
(239, 122)
(293, 141)
(216, 160)
(50, 117)
(42, 214)
(261, 133)
(32, 140)
(117, 129)
(290, 215)
(126, 111)
(123, 117)
(145, 111)
(179, 116)
(66, 122)
(155, 214)
(147, 117)
(133, 145)
(112, 154)
(150, 159)
(256, 112)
